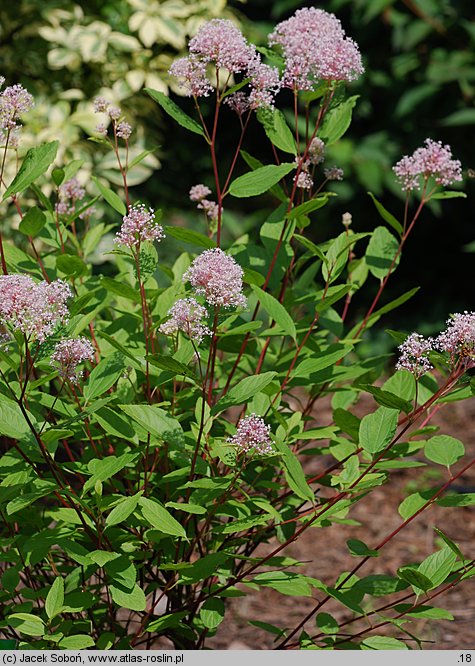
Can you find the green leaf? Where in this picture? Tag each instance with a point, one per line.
(254, 164)
(383, 643)
(310, 245)
(387, 399)
(58, 176)
(76, 642)
(160, 519)
(245, 389)
(277, 311)
(120, 288)
(105, 468)
(141, 156)
(33, 222)
(428, 612)
(71, 265)
(166, 622)
(174, 111)
(186, 507)
(378, 429)
(449, 194)
(259, 181)
(244, 524)
(103, 376)
(123, 510)
(133, 600)
(212, 613)
(309, 206)
(327, 623)
(337, 120)
(121, 571)
(358, 548)
(457, 499)
(437, 566)
(412, 504)
(380, 252)
(170, 363)
(27, 624)
(71, 169)
(12, 421)
(444, 450)
(36, 162)
(190, 236)
(203, 568)
(111, 197)
(294, 473)
(155, 421)
(277, 130)
(55, 599)
(322, 360)
(451, 544)
(415, 578)
(379, 585)
(386, 215)
(285, 582)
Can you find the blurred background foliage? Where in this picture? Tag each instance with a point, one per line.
(419, 82)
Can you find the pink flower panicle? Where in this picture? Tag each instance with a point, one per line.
(334, 173)
(68, 354)
(69, 192)
(304, 180)
(459, 336)
(31, 308)
(265, 84)
(191, 75)
(187, 316)
(316, 151)
(434, 160)
(216, 276)
(138, 226)
(252, 433)
(123, 129)
(315, 47)
(414, 355)
(221, 43)
(199, 192)
(238, 102)
(14, 102)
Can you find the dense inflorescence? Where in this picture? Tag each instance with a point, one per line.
(139, 225)
(69, 193)
(122, 128)
(433, 160)
(216, 276)
(34, 309)
(187, 315)
(315, 47)
(252, 433)
(415, 355)
(459, 336)
(68, 354)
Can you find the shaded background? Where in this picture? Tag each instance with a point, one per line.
(419, 82)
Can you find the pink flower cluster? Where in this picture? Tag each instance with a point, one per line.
(187, 316)
(333, 173)
(69, 192)
(252, 433)
(316, 151)
(122, 129)
(14, 102)
(221, 44)
(68, 354)
(198, 194)
(414, 355)
(216, 276)
(434, 160)
(34, 309)
(459, 336)
(139, 225)
(315, 47)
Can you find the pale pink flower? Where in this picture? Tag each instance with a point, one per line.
(459, 336)
(101, 129)
(68, 354)
(414, 355)
(221, 43)
(434, 160)
(315, 47)
(31, 308)
(304, 180)
(334, 173)
(101, 105)
(69, 193)
(139, 225)
(14, 102)
(124, 130)
(191, 75)
(316, 151)
(187, 316)
(199, 192)
(216, 276)
(252, 433)
(264, 82)
(238, 102)
(211, 209)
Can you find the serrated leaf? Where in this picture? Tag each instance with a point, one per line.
(277, 130)
(276, 310)
(380, 253)
(383, 643)
(212, 613)
(123, 510)
(415, 578)
(294, 473)
(111, 197)
(337, 120)
(27, 624)
(132, 599)
(388, 399)
(444, 450)
(190, 236)
(260, 180)
(76, 642)
(378, 429)
(104, 376)
(55, 598)
(322, 360)
(243, 391)
(386, 215)
(36, 162)
(105, 468)
(156, 421)
(171, 364)
(33, 222)
(175, 112)
(160, 519)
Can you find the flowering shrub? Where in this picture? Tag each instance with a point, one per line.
(156, 433)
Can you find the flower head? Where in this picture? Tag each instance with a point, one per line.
(334, 173)
(34, 309)
(191, 75)
(69, 192)
(315, 47)
(216, 276)
(187, 316)
(238, 102)
(264, 82)
(252, 433)
(459, 336)
(433, 160)
(414, 355)
(68, 354)
(316, 151)
(304, 180)
(199, 192)
(124, 130)
(14, 102)
(220, 42)
(139, 225)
